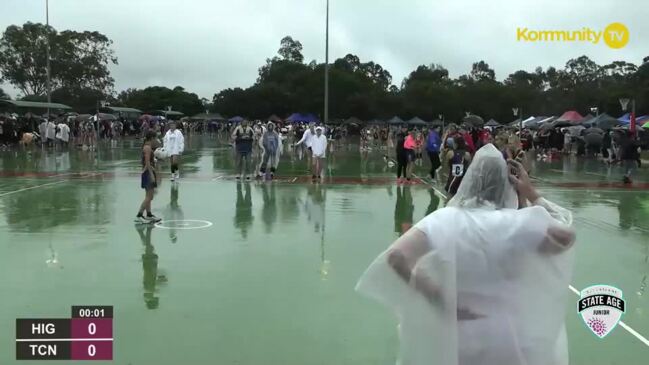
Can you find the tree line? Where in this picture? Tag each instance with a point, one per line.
(287, 84)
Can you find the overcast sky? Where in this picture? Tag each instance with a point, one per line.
(209, 45)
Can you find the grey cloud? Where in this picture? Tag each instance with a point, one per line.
(206, 46)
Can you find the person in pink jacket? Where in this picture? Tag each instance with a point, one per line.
(409, 145)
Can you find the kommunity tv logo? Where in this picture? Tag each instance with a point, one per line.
(615, 35)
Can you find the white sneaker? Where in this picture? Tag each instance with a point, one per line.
(141, 220)
(152, 219)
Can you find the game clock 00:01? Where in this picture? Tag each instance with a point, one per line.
(88, 335)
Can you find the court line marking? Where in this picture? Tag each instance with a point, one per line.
(624, 325)
(185, 223)
(83, 175)
(574, 290)
(60, 339)
(34, 187)
(595, 174)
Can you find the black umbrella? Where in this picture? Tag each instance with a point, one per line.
(594, 130)
(474, 120)
(593, 139)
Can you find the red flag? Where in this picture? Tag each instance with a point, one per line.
(632, 126)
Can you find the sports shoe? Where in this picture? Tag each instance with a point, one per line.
(141, 220)
(152, 218)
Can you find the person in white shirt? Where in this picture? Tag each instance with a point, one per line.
(42, 130)
(174, 144)
(319, 150)
(50, 133)
(307, 137)
(63, 134)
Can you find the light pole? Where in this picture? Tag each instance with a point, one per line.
(624, 103)
(326, 80)
(47, 51)
(519, 112)
(594, 109)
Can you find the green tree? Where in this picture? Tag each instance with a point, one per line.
(78, 59)
(291, 50)
(159, 97)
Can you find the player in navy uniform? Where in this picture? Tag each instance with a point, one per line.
(243, 136)
(458, 161)
(149, 180)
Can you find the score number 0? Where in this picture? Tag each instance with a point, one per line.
(92, 329)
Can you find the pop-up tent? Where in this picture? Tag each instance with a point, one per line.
(274, 118)
(570, 116)
(416, 121)
(395, 120)
(302, 118)
(353, 120)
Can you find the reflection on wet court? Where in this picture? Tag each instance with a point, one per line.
(264, 272)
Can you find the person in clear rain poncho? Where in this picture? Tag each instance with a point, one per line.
(483, 280)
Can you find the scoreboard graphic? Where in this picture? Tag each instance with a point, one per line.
(88, 335)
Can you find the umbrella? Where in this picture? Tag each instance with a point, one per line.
(105, 116)
(236, 119)
(594, 130)
(575, 130)
(144, 116)
(603, 121)
(646, 125)
(474, 120)
(83, 117)
(593, 139)
(557, 124)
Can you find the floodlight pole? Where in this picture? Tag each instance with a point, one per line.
(326, 80)
(47, 51)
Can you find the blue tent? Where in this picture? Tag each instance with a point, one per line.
(302, 118)
(626, 118)
(236, 119)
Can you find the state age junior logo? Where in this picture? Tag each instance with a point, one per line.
(601, 307)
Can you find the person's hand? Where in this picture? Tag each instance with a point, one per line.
(521, 181)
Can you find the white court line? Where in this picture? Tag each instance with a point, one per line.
(60, 339)
(34, 187)
(217, 178)
(624, 325)
(122, 162)
(595, 174)
(50, 184)
(294, 179)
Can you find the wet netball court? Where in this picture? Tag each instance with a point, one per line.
(264, 272)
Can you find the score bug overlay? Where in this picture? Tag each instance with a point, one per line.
(87, 335)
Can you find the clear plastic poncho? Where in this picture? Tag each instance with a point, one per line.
(480, 282)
